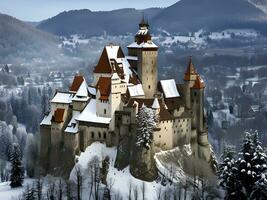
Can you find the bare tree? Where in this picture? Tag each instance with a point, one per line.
(185, 189)
(143, 189)
(159, 194)
(69, 185)
(136, 193)
(79, 181)
(39, 188)
(50, 194)
(130, 191)
(60, 190)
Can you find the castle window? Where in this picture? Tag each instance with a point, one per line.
(92, 134)
(105, 111)
(159, 136)
(149, 87)
(99, 134)
(105, 135)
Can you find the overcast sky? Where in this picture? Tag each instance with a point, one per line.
(36, 10)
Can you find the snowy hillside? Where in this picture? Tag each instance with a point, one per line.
(7, 193)
(121, 182)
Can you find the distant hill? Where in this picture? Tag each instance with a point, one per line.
(212, 15)
(261, 4)
(90, 23)
(19, 40)
(183, 16)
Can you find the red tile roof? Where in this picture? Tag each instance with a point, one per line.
(77, 81)
(103, 65)
(199, 83)
(104, 86)
(58, 115)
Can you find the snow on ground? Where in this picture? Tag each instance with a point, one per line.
(229, 33)
(8, 193)
(170, 163)
(121, 179)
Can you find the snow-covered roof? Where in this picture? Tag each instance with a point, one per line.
(62, 97)
(72, 126)
(125, 64)
(169, 88)
(92, 90)
(82, 91)
(136, 90)
(149, 44)
(47, 119)
(142, 32)
(155, 104)
(89, 114)
(77, 98)
(131, 57)
(115, 76)
(112, 51)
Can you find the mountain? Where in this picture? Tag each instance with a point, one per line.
(19, 40)
(212, 15)
(90, 23)
(183, 16)
(261, 4)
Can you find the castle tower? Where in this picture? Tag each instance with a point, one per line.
(189, 79)
(197, 100)
(147, 53)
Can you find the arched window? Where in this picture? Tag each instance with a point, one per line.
(92, 134)
(105, 111)
(105, 135)
(99, 134)
(149, 87)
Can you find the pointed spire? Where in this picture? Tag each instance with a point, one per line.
(143, 23)
(190, 67)
(190, 70)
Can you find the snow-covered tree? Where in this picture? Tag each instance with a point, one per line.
(6, 140)
(228, 175)
(17, 171)
(30, 154)
(259, 160)
(146, 122)
(246, 173)
(259, 190)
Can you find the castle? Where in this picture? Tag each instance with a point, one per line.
(106, 110)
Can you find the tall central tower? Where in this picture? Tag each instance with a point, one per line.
(147, 53)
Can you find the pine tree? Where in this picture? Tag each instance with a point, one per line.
(259, 191)
(17, 171)
(228, 175)
(246, 173)
(259, 160)
(146, 122)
